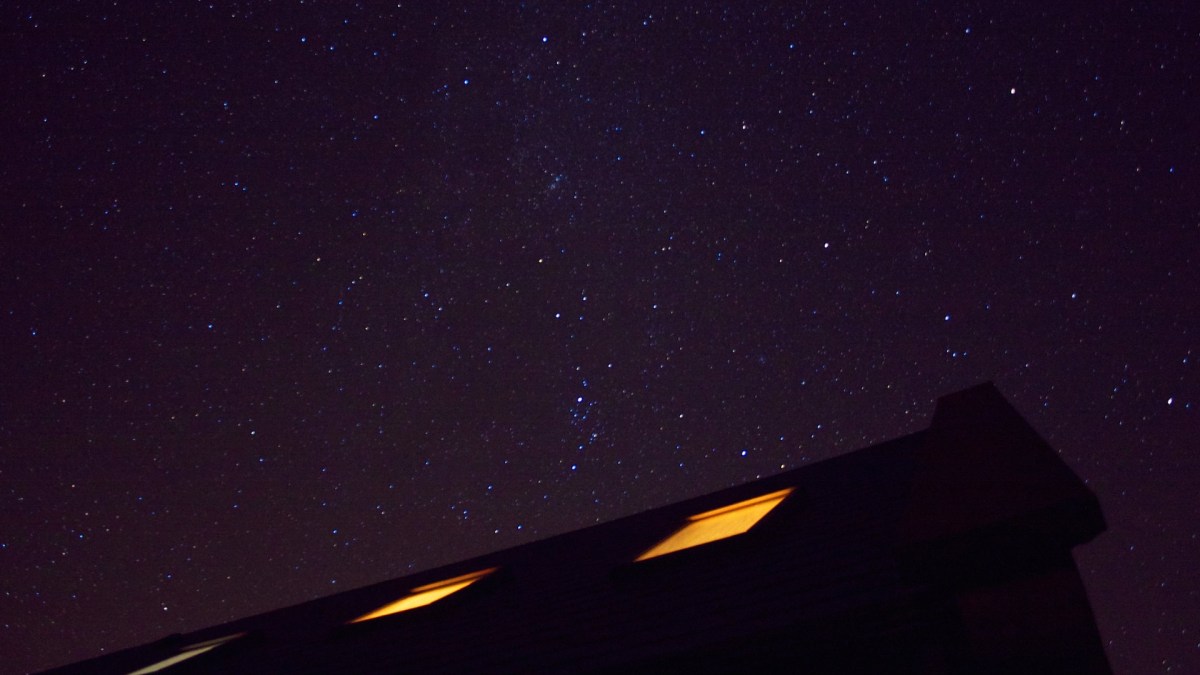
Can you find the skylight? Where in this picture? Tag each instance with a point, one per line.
(186, 653)
(427, 594)
(710, 526)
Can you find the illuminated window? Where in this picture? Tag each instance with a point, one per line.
(721, 523)
(186, 653)
(427, 594)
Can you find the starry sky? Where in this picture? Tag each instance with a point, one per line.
(300, 296)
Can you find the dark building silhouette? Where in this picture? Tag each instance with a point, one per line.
(945, 551)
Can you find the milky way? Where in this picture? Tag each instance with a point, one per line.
(296, 297)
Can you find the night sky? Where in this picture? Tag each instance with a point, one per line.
(301, 296)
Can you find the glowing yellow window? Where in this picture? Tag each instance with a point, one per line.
(185, 654)
(727, 521)
(427, 594)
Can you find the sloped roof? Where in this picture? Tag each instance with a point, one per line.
(853, 564)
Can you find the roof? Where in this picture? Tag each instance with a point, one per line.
(877, 556)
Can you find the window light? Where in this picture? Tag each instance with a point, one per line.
(427, 594)
(727, 521)
(186, 653)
